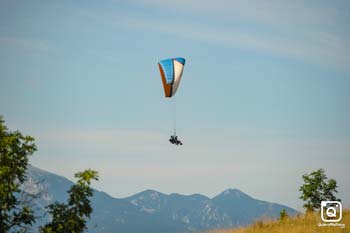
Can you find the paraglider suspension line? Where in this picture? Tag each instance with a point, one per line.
(174, 120)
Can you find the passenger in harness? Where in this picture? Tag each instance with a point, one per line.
(173, 139)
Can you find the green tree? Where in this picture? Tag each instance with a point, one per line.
(316, 188)
(71, 217)
(14, 152)
(283, 214)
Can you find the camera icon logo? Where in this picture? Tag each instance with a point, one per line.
(331, 211)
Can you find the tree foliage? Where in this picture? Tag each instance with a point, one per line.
(283, 214)
(316, 188)
(71, 217)
(14, 152)
(16, 215)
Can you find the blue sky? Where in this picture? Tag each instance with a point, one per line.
(264, 97)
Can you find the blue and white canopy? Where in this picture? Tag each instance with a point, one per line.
(171, 72)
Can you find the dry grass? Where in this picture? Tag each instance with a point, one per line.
(300, 224)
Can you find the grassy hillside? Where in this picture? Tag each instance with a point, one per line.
(300, 224)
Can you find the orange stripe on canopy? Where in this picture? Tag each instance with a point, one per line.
(167, 87)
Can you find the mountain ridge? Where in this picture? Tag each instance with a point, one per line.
(153, 211)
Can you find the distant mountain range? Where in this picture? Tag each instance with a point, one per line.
(155, 212)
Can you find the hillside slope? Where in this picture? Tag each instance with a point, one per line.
(298, 224)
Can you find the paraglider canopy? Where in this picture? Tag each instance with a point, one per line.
(171, 73)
